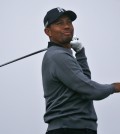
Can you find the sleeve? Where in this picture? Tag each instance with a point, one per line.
(69, 72)
(82, 61)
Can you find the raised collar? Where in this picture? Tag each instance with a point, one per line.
(53, 44)
(50, 44)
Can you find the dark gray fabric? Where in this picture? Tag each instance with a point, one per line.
(71, 131)
(69, 91)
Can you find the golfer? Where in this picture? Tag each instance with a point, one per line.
(69, 90)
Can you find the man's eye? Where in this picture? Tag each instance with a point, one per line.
(59, 23)
(69, 21)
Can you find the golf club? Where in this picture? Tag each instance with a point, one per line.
(23, 57)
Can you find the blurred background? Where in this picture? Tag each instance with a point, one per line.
(22, 104)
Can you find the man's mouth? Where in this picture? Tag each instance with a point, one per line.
(67, 33)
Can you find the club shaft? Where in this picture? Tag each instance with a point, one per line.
(23, 57)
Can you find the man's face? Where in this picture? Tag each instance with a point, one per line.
(61, 31)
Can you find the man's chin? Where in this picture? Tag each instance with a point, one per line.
(68, 40)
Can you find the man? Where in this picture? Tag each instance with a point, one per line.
(68, 89)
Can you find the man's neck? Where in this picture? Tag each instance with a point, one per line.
(66, 45)
(61, 45)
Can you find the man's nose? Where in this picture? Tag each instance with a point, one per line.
(66, 25)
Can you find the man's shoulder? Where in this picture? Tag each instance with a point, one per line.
(57, 51)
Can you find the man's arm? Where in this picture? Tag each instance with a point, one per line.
(82, 61)
(80, 55)
(69, 72)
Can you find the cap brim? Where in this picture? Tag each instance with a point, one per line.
(71, 14)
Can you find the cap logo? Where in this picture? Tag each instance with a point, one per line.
(60, 9)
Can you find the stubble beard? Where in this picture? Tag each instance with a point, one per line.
(67, 40)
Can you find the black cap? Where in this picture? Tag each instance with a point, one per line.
(53, 14)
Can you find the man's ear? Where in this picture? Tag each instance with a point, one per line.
(47, 31)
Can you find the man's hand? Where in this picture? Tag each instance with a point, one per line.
(75, 44)
(117, 87)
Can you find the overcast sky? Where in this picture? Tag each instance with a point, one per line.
(22, 104)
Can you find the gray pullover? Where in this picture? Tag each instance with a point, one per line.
(69, 91)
